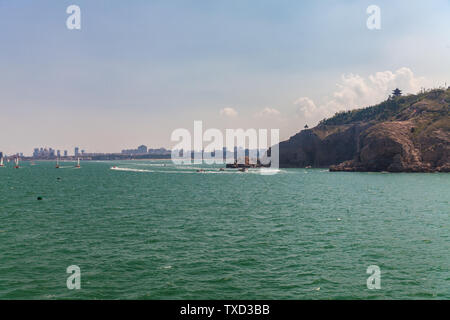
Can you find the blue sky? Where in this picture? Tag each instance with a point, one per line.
(137, 70)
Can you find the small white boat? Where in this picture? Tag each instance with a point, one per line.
(1, 162)
(78, 164)
(57, 163)
(16, 163)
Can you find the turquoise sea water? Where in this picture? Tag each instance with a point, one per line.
(149, 231)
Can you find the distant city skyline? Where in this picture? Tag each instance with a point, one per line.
(54, 152)
(138, 70)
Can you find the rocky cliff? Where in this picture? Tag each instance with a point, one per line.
(403, 134)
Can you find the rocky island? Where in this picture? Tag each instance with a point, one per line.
(402, 134)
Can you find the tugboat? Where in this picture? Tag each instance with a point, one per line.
(245, 164)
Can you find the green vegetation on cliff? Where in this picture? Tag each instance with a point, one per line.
(402, 134)
(395, 108)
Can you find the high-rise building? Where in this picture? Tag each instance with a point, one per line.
(65, 153)
(77, 151)
(58, 153)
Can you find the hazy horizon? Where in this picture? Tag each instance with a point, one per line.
(137, 71)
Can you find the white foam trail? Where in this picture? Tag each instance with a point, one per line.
(151, 164)
(266, 171)
(174, 171)
(168, 164)
(130, 169)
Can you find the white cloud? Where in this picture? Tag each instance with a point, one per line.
(228, 112)
(356, 92)
(268, 112)
(306, 108)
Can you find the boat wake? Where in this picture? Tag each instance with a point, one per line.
(153, 164)
(130, 169)
(266, 171)
(194, 170)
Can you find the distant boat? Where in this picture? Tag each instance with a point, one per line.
(16, 163)
(1, 162)
(78, 164)
(57, 163)
(243, 169)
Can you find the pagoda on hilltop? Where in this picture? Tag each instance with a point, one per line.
(397, 92)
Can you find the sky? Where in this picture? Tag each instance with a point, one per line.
(137, 70)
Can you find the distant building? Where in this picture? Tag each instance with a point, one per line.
(66, 153)
(77, 151)
(160, 151)
(140, 150)
(58, 153)
(1, 154)
(43, 153)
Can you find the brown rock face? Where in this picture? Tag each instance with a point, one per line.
(321, 147)
(406, 134)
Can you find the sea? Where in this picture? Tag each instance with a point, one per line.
(156, 230)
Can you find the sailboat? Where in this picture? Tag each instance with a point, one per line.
(57, 163)
(16, 163)
(1, 162)
(78, 164)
